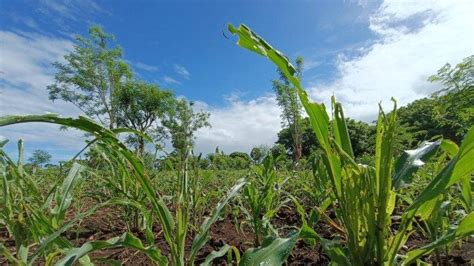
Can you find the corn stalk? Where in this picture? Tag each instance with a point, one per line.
(365, 195)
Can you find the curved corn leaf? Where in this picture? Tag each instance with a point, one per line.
(466, 187)
(449, 147)
(3, 141)
(464, 166)
(64, 194)
(125, 240)
(115, 147)
(407, 164)
(460, 166)
(333, 248)
(340, 128)
(8, 255)
(216, 254)
(202, 237)
(465, 228)
(274, 251)
(55, 235)
(318, 117)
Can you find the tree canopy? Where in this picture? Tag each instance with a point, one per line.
(140, 105)
(40, 158)
(91, 75)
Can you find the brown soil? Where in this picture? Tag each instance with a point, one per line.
(105, 224)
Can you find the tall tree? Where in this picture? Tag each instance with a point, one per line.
(455, 108)
(91, 75)
(40, 157)
(182, 123)
(288, 100)
(140, 107)
(449, 112)
(309, 141)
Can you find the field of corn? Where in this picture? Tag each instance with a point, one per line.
(412, 208)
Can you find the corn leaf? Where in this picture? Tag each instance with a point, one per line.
(203, 236)
(125, 240)
(273, 251)
(216, 254)
(333, 248)
(64, 194)
(340, 128)
(465, 228)
(411, 160)
(115, 146)
(460, 166)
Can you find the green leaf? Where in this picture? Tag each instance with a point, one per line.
(51, 238)
(464, 166)
(340, 129)
(3, 141)
(201, 238)
(216, 254)
(125, 240)
(457, 168)
(115, 148)
(64, 194)
(333, 248)
(8, 255)
(411, 160)
(449, 147)
(465, 228)
(273, 251)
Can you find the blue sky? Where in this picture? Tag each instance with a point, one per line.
(157, 35)
(361, 51)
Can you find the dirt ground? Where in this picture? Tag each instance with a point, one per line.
(104, 225)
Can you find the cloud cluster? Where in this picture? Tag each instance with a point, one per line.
(170, 80)
(182, 71)
(25, 71)
(145, 67)
(415, 39)
(241, 125)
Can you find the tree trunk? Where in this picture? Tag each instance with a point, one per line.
(141, 146)
(298, 151)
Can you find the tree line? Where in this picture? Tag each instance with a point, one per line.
(95, 78)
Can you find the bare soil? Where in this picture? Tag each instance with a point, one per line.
(105, 224)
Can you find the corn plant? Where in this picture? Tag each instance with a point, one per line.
(28, 215)
(174, 230)
(116, 183)
(365, 196)
(448, 208)
(261, 199)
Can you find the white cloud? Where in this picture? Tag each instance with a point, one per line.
(63, 16)
(182, 71)
(416, 39)
(310, 64)
(72, 9)
(146, 67)
(26, 58)
(240, 125)
(25, 65)
(27, 21)
(170, 80)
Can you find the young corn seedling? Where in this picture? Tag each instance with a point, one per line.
(174, 229)
(365, 196)
(28, 215)
(261, 200)
(446, 209)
